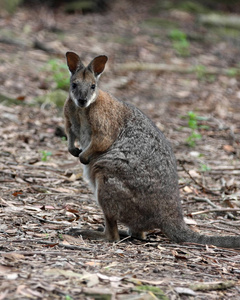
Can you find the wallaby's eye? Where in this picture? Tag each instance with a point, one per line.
(93, 86)
(74, 85)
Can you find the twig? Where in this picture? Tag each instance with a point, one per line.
(225, 223)
(15, 42)
(48, 221)
(209, 286)
(219, 20)
(153, 67)
(31, 253)
(235, 232)
(214, 210)
(213, 205)
(196, 182)
(205, 200)
(51, 244)
(122, 240)
(73, 247)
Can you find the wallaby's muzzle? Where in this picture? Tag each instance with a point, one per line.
(82, 102)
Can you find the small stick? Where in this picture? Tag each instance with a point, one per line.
(122, 240)
(205, 200)
(198, 183)
(209, 286)
(48, 221)
(52, 244)
(213, 205)
(215, 210)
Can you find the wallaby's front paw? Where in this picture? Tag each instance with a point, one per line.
(75, 151)
(84, 160)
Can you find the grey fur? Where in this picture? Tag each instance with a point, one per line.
(135, 180)
(141, 184)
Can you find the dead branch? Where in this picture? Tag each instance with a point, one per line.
(213, 205)
(52, 244)
(155, 67)
(231, 21)
(215, 210)
(225, 223)
(205, 200)
(48, 221)
(205, 189)
(209, 286)
(32, 252)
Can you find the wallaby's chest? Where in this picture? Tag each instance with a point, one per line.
(81, 128)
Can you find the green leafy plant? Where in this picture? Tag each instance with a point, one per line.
(192, 7)
(59, 73)
(233, 72)
(193, 125)
(45, 155)
(193, 137)
(204, 168)
(154, 291)
(201, 71)
(180, 42)
(203, 74)
(10, 5)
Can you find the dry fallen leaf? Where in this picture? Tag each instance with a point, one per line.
(190, 221)
(13, 256)
(229, 149)
(5, 269)
(187, 189)
(185, 291)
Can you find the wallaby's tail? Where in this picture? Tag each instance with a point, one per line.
(180, 233)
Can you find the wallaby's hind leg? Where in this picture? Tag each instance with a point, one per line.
(110, 232)
(86, 234)
(141, 235)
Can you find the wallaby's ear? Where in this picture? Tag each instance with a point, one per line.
(97, 65)
(73, 61)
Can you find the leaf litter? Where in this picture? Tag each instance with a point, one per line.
(43, 194)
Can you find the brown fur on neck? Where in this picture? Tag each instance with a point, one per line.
(106, 118)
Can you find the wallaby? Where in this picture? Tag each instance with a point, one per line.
(127, 160)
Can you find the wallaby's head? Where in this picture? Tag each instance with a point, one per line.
(84, 80)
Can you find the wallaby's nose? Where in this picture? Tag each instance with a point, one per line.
(82, 102)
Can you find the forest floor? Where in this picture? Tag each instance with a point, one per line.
(193, 97)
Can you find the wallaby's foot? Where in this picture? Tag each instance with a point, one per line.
(140, 235)
(137, 235)
(93, 235)
(75, 151)
(86, 234)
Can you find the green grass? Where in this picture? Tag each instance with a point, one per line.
(188, 6)
(203, 75)
(192, 7)
(160, 23)
(45, 155)
(192, 121)
(233, 72)
(154, 291)
(204, 168)
(10, 5)
(180, 42)
(58, 73)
